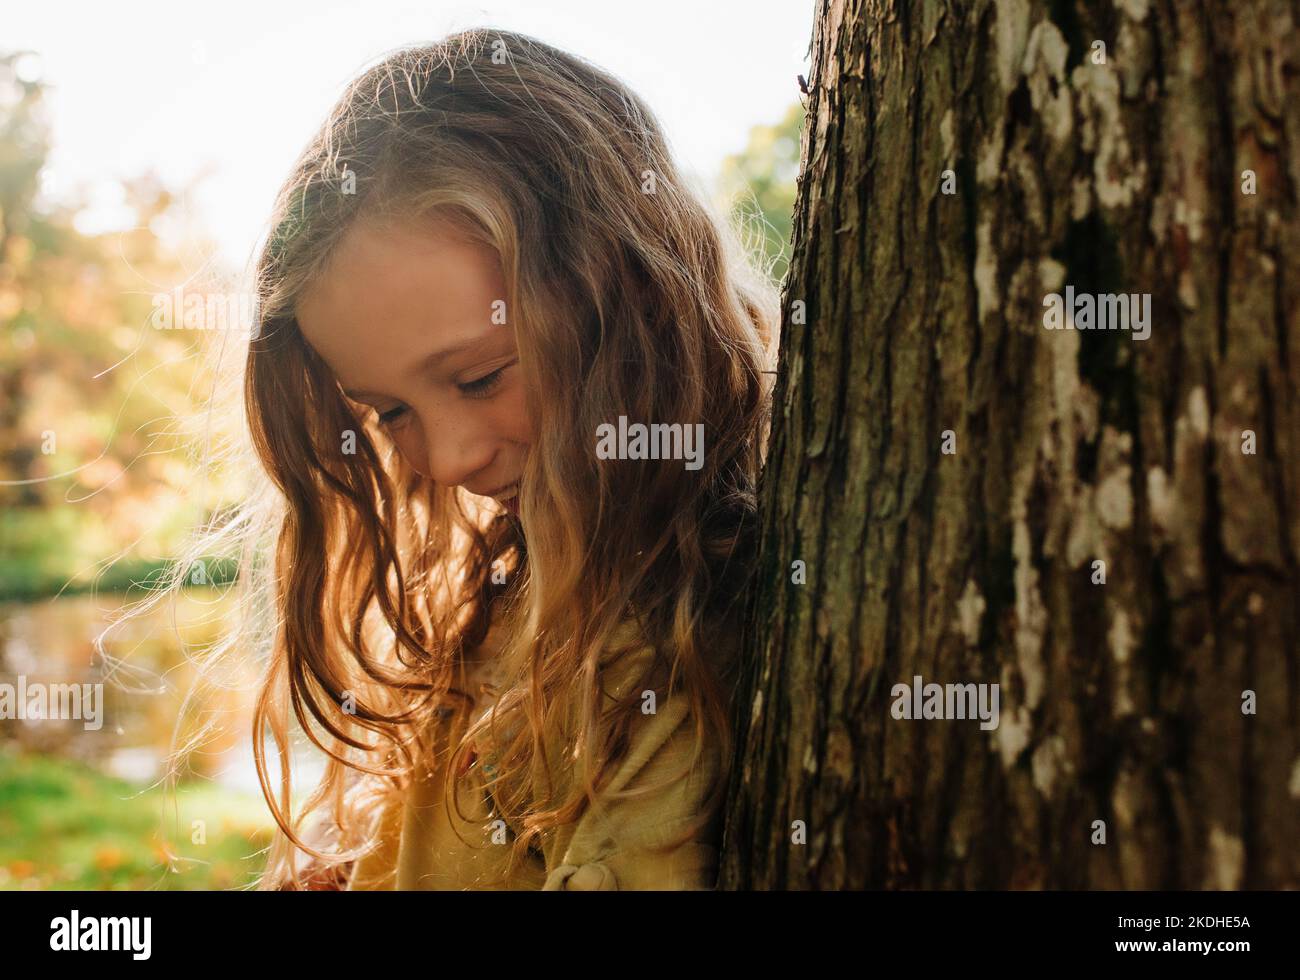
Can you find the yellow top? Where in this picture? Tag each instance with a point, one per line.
(610, 846)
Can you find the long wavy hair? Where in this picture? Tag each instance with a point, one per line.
(628, 296)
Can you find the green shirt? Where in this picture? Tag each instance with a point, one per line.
(613, 845)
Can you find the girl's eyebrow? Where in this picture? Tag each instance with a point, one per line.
(426, 365)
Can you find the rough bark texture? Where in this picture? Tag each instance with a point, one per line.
(1120, 702)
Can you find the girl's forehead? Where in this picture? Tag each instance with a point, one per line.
(392, 294)
(401, 271)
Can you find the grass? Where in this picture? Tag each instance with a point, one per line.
(64, 825)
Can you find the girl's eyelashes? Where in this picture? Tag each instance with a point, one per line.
(479, 388)
(484, 386)
(392, 415)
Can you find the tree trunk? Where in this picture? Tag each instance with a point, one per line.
(1129, 751)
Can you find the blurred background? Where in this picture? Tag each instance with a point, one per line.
(140, 150)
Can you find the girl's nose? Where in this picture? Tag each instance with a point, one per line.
(450, 453)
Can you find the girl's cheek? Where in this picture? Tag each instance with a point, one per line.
(411, 446)
(517, 421)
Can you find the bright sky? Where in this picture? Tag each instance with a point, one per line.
(235, 89)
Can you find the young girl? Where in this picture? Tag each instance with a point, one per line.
(515, 650)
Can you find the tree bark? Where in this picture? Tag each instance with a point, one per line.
(1124, 702)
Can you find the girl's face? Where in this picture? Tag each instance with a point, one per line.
(404, 318)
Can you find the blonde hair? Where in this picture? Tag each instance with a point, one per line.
(380, 582)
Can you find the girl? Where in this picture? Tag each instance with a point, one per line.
(515, 651)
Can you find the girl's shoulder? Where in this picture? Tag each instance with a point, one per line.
(626, 656)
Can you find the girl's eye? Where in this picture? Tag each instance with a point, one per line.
(480, 388)
(485, 385)
(392, 415)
